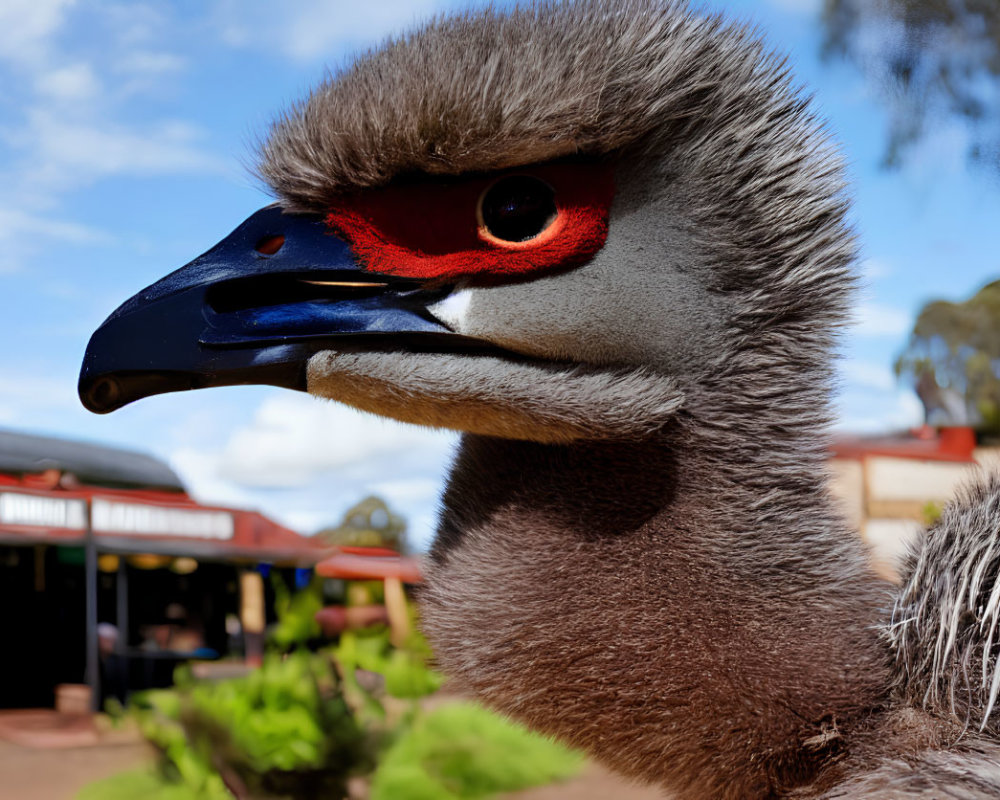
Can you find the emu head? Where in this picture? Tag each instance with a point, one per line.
(567, 221)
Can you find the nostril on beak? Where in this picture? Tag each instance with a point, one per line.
(269, 245)
(103, 394)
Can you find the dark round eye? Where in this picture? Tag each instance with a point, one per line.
(517, 208)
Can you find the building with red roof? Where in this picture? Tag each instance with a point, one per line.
(890, 486)
(98, 540)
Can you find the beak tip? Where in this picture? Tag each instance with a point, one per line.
(102, 395)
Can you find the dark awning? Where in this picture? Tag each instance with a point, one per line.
(97, 465)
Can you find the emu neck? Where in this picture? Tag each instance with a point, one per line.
(708, 625)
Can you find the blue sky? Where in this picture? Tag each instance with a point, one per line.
(124, 133)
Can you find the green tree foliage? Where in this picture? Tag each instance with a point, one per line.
(370, 523)
(953, 360)
(929, 59)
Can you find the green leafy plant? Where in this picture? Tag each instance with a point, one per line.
(462, 752)
(145, 783)
(296, 613)
(283, 730)
(303, 723)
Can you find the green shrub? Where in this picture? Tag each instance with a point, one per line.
(303, 723)
(296, 613)
(139, 783)
(283, 730)
(463, 752)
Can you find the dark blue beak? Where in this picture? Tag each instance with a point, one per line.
(251, 310)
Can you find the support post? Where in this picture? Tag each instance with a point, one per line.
(93, 671)
(252, 616)
(40, 567)
(396, 609)
(121, 605)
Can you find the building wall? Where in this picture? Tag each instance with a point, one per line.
(887, 499)
(847, 483)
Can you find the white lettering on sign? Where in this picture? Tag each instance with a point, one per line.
(111, 517)
(45, 512)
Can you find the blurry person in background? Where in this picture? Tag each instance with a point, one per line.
(113, 666)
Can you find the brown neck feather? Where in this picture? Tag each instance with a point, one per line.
(704, 624)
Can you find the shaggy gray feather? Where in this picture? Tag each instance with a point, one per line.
(967, 771)
(554, 403)
(945, 629)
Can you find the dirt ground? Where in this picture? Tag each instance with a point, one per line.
(27, 773)
(594, 783)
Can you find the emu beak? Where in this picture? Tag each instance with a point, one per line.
(251, 310)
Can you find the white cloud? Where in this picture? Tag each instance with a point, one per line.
(94, 150)
(307, 522)
(310, 29)
(295, 438)
(316, 30)
(421, 527)
(148, 63)
(870, 399)
(135, 24)
(408, 489)
(874, 269)
(868, 375)
(199, 469)
(74, 82)
(64, 151)
(28, 26)
(22, 234)
(65, 126)
(142, 73)
(876, 320)
(24, 395)
(306, 461)
(879, 413)
(14, 223)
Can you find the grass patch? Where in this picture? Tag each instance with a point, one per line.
(136, 783)
(463, 752)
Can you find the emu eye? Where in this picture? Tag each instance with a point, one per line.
(517, 208)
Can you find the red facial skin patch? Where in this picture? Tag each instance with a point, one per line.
(430, 230)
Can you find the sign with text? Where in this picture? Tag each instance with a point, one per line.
(109, 516)
(43, 512)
